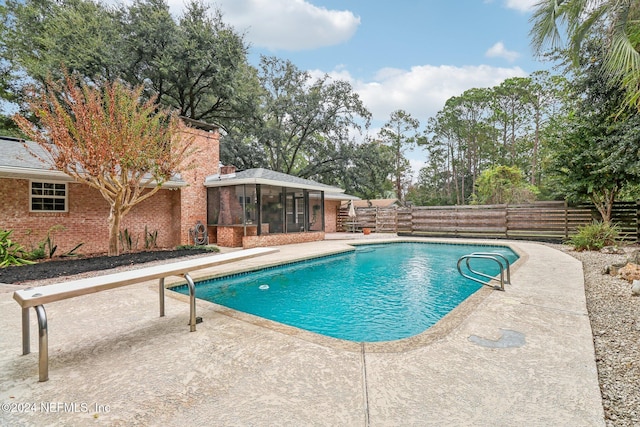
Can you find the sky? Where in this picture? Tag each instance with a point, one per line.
(404, 54)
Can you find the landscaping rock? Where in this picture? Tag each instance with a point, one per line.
(630, 272)
(613, 270)
(613, 250)
(634, 257)
(614, 315)
(635, 289)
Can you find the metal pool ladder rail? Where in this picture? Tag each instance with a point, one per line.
(500, 259)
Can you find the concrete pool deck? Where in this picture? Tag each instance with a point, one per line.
(113, 361)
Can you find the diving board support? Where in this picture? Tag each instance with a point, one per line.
(26, 335)
(38, 296)
(43, 343)
(161, 295)
(43, 340)
(192, 302)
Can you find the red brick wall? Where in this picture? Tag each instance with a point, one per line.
(231, 237)
(171, 212)
(249, 242)
(331, 209)
(86, 219)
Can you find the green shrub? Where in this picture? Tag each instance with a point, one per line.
(595, 236)
(201, 247)
(36, 253)
(11, 253)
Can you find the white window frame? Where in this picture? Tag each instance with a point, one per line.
(56, 188)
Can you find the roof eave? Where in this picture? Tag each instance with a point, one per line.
(240, 181)
(30, 173)
(54, 175)
(340, 196)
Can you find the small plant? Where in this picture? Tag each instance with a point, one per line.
(36, 253)
(47, 247)
(72, 252)
(127, 242)
(48, 243)
(595, 236)
(11, 253)
(150, 239)
(51, 247)
(199, 247)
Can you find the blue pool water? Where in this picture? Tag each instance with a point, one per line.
(376, 293)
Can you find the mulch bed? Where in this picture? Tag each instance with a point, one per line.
(68, 266)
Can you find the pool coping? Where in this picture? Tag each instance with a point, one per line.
(432, 334)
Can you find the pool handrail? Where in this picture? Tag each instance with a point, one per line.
(492, 257)
(506, 265)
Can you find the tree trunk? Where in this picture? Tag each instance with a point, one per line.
(605, 203)
(114, 227)
(536, 144)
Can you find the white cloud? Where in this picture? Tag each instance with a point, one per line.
(521, 5)
(498, 50)
(422, 90)
(288, 24)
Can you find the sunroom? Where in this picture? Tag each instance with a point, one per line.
(258, 207)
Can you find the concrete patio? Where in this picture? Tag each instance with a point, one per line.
(113, 361)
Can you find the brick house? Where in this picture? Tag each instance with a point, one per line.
(38, 200)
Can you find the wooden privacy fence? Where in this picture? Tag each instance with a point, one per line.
(553, 221)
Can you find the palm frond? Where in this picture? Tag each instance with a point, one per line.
(545, 30)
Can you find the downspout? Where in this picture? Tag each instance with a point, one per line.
(244, 209)
(259, 209)
(322, 208)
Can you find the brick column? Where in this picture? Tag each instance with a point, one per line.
(193, 198)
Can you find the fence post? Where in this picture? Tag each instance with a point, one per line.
(566, 219)
(637, 220)
(411, 219)
(455, 231)
(506, 221)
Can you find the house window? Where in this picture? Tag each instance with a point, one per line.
(48, 196)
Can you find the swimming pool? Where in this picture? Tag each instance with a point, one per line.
(380, 292)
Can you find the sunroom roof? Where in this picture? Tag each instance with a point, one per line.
(267, 177)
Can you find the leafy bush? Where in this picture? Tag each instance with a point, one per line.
(11, 253)
(36, 253)
(595, 236)
(503, 184)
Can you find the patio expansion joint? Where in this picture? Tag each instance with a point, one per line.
(557, 310)
(365, 386)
